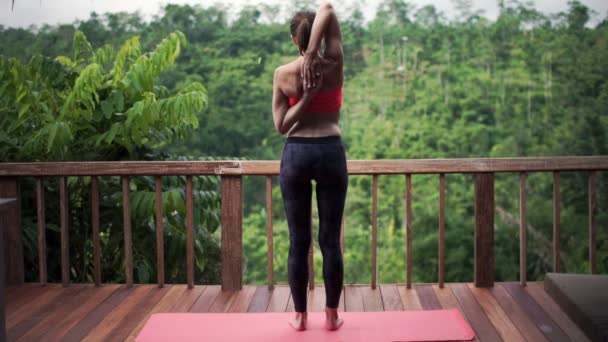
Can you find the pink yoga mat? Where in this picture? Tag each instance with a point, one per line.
(423, 325)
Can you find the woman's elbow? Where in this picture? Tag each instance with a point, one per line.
(327, 6)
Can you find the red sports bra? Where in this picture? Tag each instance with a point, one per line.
(327, 101)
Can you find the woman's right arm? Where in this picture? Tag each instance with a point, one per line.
(325, 26)
(285, 117)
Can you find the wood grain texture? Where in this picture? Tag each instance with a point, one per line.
(441, 252)
(514, 312)
(278, 299)
(448, 301)
(95, 228)
(484, 329)
(113, 319)
(260, 299)
(189, 232)
(556, 222)
(160, 232)
(535, 313)
(88, 322)
(65, 234)
(10, 221)
(243, 299)
(316, 299)
(164, 305)
(42, 311)
(496, 315)
(409, 298)
(391, 299)
(372, 298)
(232, 232)
(207, 298)
(31, 301)
(408, 231)
(484, 230)
(374, 228)
(427, 297)
(42, 272)
(523, 230)
(537, 291)
(188, 298)
(592, 223)
(353, 299)
(271, 167)
(269, 233)
(126, 219)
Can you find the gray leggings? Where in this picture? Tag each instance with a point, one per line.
(302, 160)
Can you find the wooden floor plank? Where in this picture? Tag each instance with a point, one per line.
(409, 298)
(372, 299)
(164, 305)
(391, 299)
(353, 300)
(42, 311)
(537, 292)
(38, 297)
(260, 300)
(190, 296)
(448, 301)
(278, 300)
(137, 314)
(496, 314)
(243, 300)
(516, 314)
(536, 314)
(480, 323)
(316, 299)
(58, 321)
(222, 301)
(102, 294)
(88, 322)
(206, 299)
(23, 295)
(426, 296)
(102, 330)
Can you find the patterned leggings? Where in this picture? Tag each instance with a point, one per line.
(324, 160)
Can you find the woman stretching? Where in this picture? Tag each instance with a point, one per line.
(307, 96)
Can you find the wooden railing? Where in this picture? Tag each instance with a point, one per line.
(231, 173)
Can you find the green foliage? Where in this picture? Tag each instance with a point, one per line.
(417, 86)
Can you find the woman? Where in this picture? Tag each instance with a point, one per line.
(307, 95)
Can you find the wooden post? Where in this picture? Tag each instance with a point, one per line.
(592, 223)
(484, 230)
(11, 221)
(126, 219)
(269, 240)
(232, 232)
(160, 252)
(374, 227)
(441, 252)
(95, 228)
(523, 229)
(408, 230)
(556, 222)
(4, 208)
(189, 232)
(65, 232)
(41, 231)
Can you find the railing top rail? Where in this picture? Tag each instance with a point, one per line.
(271, 167)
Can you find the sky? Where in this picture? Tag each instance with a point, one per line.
(38, 12)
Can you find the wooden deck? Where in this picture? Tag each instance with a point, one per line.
(507, 311)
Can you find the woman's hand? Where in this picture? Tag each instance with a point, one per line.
(311, 69)
(311, 89)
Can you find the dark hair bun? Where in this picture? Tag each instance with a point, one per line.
(301, 26)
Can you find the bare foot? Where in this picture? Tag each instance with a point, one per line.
(299, 321)
(332, 322)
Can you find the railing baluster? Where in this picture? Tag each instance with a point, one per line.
(95, 226)
(408, 230)
(160, 241)
(374, 227)
(484, 229)
(41, 230)
(126, 217)
(311, 259)
(269, 239)
(189, 232)
(523, 229)
(232, 232)
(65, 239)
(441, 229)
(556, 222)
(592, 223)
